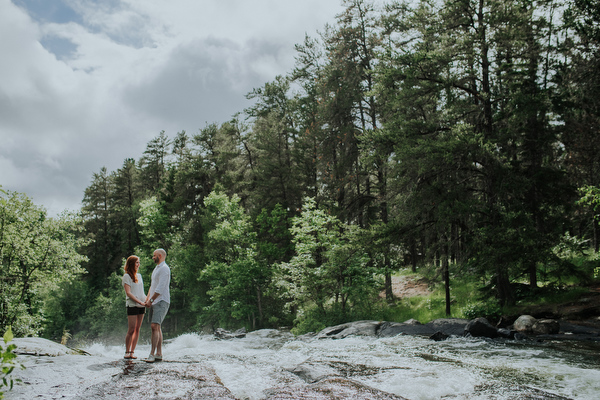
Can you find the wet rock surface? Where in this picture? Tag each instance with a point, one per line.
(200, 375)
(41, 347)
(162, 380)
(222, 334)
(445, 326)
(188, 380)
(525, 327)
(330, 388)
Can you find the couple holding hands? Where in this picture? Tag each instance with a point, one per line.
(157, 301)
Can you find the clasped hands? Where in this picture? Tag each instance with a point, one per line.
(146, 303)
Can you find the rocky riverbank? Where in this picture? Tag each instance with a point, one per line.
(444, 328)
(271, 364)
(372, 360)
(576, 320)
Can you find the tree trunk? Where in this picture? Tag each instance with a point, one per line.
(503, 287)
(532, 274)
(446, 272)
(413, 253)
(389, 293)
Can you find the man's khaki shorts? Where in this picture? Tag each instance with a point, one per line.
(158, 311)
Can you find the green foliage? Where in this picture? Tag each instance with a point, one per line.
(105, 318)
(65, 308)
(490, 310)
(236, 279)
(274, 238)
(153, 224)
(330, 270)
(7, 362)
(37, 254)
(553, 294)
(188, 292)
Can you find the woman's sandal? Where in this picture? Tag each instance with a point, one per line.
(128, 356)
(132, 356)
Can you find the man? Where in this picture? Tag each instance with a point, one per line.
(158, 300)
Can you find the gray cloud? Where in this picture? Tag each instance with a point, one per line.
(87, 84)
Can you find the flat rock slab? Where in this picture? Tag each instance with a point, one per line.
(178, 380)
(161, 380)
(329, 389)
(41, 347)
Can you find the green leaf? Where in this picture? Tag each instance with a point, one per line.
(8, 335)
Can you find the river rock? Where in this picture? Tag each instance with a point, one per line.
(480, 327)
(545, 327)
(34, 346)
(445, 326)
(313, 372)
(357, 328)
(330, 388)
(442, 328)
(506, 333)
(410, 327)
(449, 326)
(524, 324)
(165, 380)
(576, 330)
(223, 334)
(439, 336)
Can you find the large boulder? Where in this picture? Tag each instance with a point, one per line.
(524, 324)
(410, 327)
(545, 327)
(449, 326)
(480, 327)
(440, 327)
(357, 328)
(222, 334)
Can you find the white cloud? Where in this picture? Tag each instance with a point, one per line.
(115, 73)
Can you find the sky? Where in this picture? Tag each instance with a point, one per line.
(85, 84)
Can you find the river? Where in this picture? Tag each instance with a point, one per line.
(268, 362)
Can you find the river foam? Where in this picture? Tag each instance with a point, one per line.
(411, 367)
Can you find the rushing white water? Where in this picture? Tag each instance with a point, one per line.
(412, 367)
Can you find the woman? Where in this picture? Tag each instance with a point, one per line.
(134, 289)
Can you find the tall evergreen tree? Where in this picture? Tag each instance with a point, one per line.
(153, 164)
(125, 200)
(98, 211)
(274, 136)
(577, 101)
(460, 68)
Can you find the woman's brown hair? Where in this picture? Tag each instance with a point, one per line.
(130, 267)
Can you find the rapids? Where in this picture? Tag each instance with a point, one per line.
(410, 367)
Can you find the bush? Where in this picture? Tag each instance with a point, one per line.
(489, 310)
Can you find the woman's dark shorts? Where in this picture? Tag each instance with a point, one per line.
(136, 310)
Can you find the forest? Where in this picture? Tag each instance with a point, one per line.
(457, 137)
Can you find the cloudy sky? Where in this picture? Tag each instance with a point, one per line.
(87, 83)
